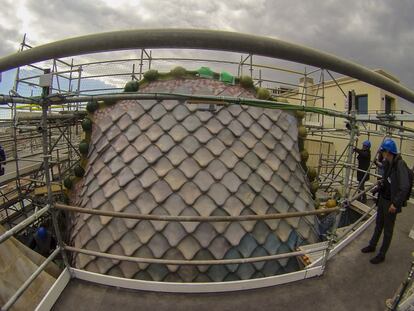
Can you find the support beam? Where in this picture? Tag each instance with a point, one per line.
(195, 262)
(202, 39)
(22, 225)
(29, 281)
(385, 118)
(192, 218)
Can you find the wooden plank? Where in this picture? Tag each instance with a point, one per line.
(43, 190)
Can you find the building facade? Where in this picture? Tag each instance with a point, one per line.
(369, 99)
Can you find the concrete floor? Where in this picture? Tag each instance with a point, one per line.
(350, 283)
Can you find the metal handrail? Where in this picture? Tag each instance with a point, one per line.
(194, 262)
(202, 39)
(23, 224)
(193, 218)
(29, 281)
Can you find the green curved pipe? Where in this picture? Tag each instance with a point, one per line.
(202, 39)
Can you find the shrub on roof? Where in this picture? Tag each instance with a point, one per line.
(263, 93)
(131, 86)
(246, 82)
(151, 75)
(178, 72)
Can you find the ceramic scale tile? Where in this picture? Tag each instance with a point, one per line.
(170, 158)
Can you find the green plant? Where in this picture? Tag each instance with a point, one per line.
(300, 114)
(151, 75)
(302, 131)
(86, 124)
(314, 186)
(262, 93)
(131, 86)
(246, 82)
(312, 174)
(84, 148)
(92, 106)
(301, 144)
(304, 155)
(178, 72)
(68, 183)
(66, 199)
(79, 171)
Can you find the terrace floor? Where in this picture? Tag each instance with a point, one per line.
(350, 282)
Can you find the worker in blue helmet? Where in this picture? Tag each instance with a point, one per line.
(43, 241)
(393, 193)
(364, 160)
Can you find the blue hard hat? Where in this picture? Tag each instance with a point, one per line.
(367, 144)
(389, 145)
(41, 233)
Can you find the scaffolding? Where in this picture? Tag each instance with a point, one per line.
(45, 130)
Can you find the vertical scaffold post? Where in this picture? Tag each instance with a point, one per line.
(251, 66)
(44, 128)
(393, 303)
(141, 64)
(16, 161)
(78, 91)
(347, 182)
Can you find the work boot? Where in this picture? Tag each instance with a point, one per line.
(377, 259)
(368, 249)
(364, 199)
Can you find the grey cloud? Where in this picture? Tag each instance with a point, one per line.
(9, 40)
(9, 29)
(373, 33)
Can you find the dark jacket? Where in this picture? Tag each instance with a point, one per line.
(396, 183)
(43, 247)
(364, 160)
(2, 158)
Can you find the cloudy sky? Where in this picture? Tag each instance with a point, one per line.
(376, 34)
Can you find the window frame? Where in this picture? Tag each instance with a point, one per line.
(357, 108)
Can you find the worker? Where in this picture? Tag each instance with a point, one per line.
(380, 163)
(364, 160)
(393, 193)
(325, 223)
(2, 159)
(43, 242)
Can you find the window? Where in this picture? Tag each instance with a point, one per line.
(361, 102)
(389, 104)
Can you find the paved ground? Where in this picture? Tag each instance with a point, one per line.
(350, 283)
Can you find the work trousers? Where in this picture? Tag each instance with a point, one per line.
(384, 222)
(361, 188)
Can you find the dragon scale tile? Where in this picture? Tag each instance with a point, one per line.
(176, 157)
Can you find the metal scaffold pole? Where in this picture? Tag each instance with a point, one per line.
(394, 303)
(347, 182)
(46, 155)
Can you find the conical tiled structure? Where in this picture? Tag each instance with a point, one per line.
(172, 157)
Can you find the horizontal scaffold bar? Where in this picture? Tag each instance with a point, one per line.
(193, 218)
(202, 39)
(407, 117)
(22, 225)
(195, 262)
(195, 99)
(223, 100)
(29, 281)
